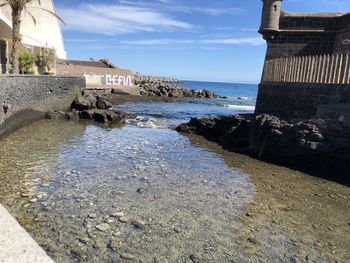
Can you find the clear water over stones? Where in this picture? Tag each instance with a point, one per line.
(92, 194)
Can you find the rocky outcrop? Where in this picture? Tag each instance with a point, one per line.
(103, 116)
(173, 91)
(309, 142)
(140, 79)
(169, 88)
(88, 102)
(90, 107)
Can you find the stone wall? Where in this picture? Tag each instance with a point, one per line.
(291, 100)
(309, 34)
(19, 94)
(285, 44)
(309, 21)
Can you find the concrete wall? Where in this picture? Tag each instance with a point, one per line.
(298, 99)
(98, 77)
(36, 93)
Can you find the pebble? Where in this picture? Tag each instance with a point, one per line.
(102, 227)
(118, 214)
(195, 259)
(139, 224)
(249, 214)
(26, 195)
(177, 230)
(127, 256)
(34, 200)
(124, 219)
(78, 253)
(83, 240)
(92, 216)
(109, 220)
(115, 245)
(253, 240)
(140, 190)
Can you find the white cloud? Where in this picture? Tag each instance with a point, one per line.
(252, 41)
(119, 19)
(183, 7)
(157, 42)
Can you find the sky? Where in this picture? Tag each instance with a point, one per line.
(208, 40)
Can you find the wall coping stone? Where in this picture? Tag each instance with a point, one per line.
(16, 245)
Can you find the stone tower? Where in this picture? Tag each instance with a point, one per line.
(271, 15)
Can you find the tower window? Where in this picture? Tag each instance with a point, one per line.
(275, 8)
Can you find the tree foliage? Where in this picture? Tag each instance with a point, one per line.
(46, 59)
(25, 61)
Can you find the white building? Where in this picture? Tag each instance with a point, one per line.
(46, 32)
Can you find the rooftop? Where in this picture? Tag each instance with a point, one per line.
(103, 63)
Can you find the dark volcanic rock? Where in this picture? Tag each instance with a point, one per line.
(268, 137)
(103, 104)
(160, 87)
(103, 116)
(90, 107)
(86, 102)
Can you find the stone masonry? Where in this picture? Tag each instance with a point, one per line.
(307, 61)
(21, 94)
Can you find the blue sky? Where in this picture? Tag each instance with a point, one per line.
(211, 40)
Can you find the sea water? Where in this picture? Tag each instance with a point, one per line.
(240, 98)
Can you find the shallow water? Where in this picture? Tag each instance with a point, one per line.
(241, 98)
(165, 115)
(64, 181)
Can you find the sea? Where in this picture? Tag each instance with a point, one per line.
(240, 98)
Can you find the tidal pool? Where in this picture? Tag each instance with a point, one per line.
(95, 194)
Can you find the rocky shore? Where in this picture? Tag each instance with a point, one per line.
(90, 107)
(313, 144)
(169, 87)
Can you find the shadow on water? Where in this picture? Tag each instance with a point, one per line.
(331, 168)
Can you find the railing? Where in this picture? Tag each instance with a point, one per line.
(332, 69)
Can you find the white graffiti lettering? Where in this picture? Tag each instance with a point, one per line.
(113, 80)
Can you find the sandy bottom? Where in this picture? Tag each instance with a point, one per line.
(294, 217)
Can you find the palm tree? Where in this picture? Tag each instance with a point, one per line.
(17, 8)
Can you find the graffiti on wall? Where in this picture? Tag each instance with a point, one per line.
(119, 80)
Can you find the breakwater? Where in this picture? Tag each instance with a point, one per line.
(24, 98)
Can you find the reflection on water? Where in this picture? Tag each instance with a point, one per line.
(91, 194)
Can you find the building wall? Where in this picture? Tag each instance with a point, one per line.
(298, 99)
(309, 34)
(45, 33)
(307, 64)
(285, 44)
(98, 77)
(36, 93)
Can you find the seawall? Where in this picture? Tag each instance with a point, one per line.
(24, 99)
(291, 100)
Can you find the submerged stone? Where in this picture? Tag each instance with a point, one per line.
(103, 227)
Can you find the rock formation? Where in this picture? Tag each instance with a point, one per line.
(270, 138)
